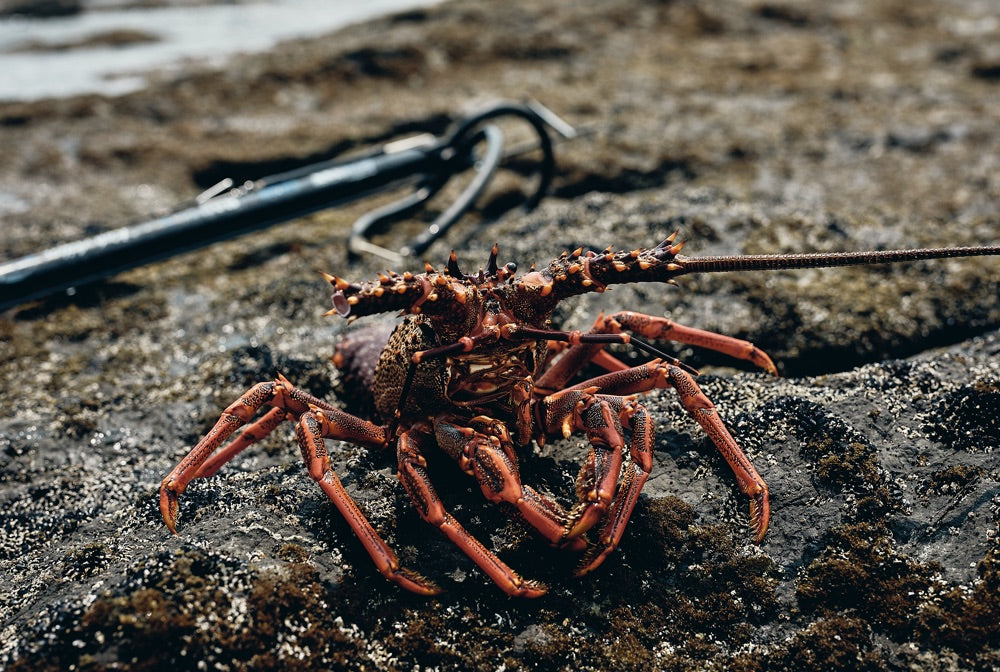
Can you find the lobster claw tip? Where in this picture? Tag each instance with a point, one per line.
(760, 514)
(168, 507)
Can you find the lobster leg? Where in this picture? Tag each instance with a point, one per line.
(413, 475)
(597, 415)
(662, 329)
(633, 479)
(313, 427)
(280, 394)
(656, 374)
(488, 455)
(575, 357)
(317, 420)
(483, 449)
(250, 435)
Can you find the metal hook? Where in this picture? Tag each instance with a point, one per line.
(485, 169)
(457, 155)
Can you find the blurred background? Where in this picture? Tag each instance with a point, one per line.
(66, 47)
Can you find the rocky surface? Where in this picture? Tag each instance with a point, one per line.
(752, 127)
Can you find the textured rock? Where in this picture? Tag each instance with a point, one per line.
(755, 127)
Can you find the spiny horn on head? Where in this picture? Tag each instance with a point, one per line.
(491, 265)
(453, 269)
(667, 247)
(338, 283)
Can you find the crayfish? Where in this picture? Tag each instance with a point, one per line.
(477, 368)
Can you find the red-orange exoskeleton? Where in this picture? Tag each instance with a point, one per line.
(477, 370)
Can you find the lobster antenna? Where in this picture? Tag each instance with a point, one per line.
(773, 262)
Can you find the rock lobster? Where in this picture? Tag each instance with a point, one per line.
(477, 368)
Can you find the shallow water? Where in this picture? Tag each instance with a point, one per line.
(206, 33)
